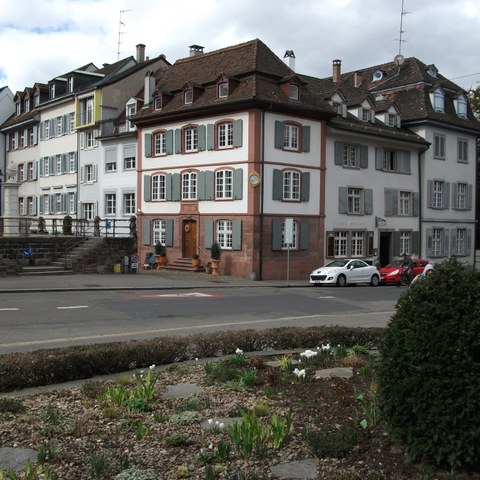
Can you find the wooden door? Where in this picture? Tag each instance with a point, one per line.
(189, 238)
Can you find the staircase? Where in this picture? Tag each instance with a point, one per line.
(184, 265)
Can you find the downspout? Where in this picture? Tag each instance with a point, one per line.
(420, 209)
(262, 170)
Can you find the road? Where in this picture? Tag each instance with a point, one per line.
(31, 321)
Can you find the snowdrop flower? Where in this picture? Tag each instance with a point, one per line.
(221, 425)
(308, 353)
(210, 421)
(196, 359)
(299, 373)
(152, 367)
(238, 351)
(325, 347)
(210, 446)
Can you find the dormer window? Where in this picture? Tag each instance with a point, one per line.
(188, 96)
(392, 120)
(36, 100)
(439, 100)
(222, 90)
(27, 104)
(18, 108)
(432, 71)
(70, 84)
(131, 110)
(157, 103)
(461, 106)
(52, 91)
(293, 91)
(366, 114)
(377, 75)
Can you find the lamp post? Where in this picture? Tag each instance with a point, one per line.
(1, 194)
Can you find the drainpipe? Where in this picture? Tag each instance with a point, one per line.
(262, 171)
(420, 209)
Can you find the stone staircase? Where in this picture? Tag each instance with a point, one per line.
(182, 264)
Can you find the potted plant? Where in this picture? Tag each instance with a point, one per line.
(160, 254)
(215, 253)
(208, 267)
(195, 261)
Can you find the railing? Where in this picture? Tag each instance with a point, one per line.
(25, 227)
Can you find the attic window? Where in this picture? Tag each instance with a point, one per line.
(438, 100)
(70, 85)
(432, 71)
(157, 103)
(27, 104)
(366, 114)
(461, 106)
(131, 110)
(377, 75)
(18, 108)
(52, 91)
(188, 96)
(293, 91)
(222, 90)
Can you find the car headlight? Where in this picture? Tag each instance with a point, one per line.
(395, 272)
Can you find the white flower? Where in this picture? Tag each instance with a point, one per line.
(210, 446)
(238, 351)
(309, 353)
(196, 359)
(221, 426)
(217, 423)
(325, 347)
(152, 367)
(210, 421)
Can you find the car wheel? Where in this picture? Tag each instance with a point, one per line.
(375, 281)
(341, 281)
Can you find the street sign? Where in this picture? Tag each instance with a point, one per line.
(27, 252)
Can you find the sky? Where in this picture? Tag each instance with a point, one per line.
(42, 39)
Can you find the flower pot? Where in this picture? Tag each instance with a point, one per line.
(196, 263)
(161, 260)
(215, 267)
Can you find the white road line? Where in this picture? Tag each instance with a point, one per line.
(8, 309)
(72, 307)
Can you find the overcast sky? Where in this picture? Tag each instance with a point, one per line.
(41, 39)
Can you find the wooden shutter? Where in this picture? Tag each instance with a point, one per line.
(202, 141)
(306, 139)
(169, 232)
(363, 156)
(208, 232)
(379, 154)
(338, 156)
(391, 202)
(148, 145)
(64, 163)
(237, 133)
(237, 235)
(210, 136)
(35, 135)
(342, 200)
(169, 142)
(147, 231)
(277, 189)
(305, 187)
(147, 188)
(446, 194)
(416, 204)
(209, 185)
(330, 245)
(304, 235)
(238, 183)
(178, 141)
(176, 187)
(429, 193)
(403, 158)
(201, 185)
(416, 242)
(276, 234)
(468, 242)
(368, 201)
(279, 134)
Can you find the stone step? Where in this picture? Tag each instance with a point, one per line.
(45, 270)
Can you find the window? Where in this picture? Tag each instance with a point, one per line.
(225, 234)
(350, 156)
(159, 187)
(294, 244)
(357, 244)
(223, 90)
(129, 157)
(157, 103)
(59, 126)
(389, 160)
(58, 203)
(72, 162)
(110, 160)
(460, 237)
(30, 206)
(70, 85)
(461, 192)
(129, 204)
(110, 204)
(438, 189)
(23, 139)
(437, 237)
(461, 107)
(27, 104)
(159, 229)
(58, 165)
(392, 120)
(291, 185)
(47, 129)
(52, 91)
(71, 122)
(189, 186)
(159, 144)
(22, 206)
(90, 174)
(188, 97)
(462, 150)
(88, 211)
(31, 136)
(131, 111)
(406, 242)
(90, 139)
(191, 139)
(18, 108)
(405, 204)
(355, 200)
(21, 173)
(72, 201)
(46, 166)
(293, 91)
(340, 244)
(30, 171)
(438, 101)
(366, 114)
(225, 135)
(86, 111)
(291, 137)
(439, 146)
(223, 184)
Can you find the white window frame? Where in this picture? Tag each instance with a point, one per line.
(406, 242)
(291, 137)
(437, 236)
(222, 90)
(86, 106)
(225, 234)
(189, 185)
(188, 97)
(225, 135)
(131, 110)
(389, 160)
(437, 193)
(462, 150)
(291, 185)
(462, 196)
(351, 157)
(129, 203)
(439, 101)
(191, 139)
(72, 162)
(293, 91)
(357, 243)
(355, 200)
(460, 241)
(110, 204)
(223, 184)
(405, 204)
(159, 231)
(159, 144)
(88, 210)
(439, 142)
(340, 244)
(71, 202)
(159, 187)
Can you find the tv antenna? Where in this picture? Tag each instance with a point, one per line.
(402, 31)
(120, 33)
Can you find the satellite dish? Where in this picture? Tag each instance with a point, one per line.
(399, 59)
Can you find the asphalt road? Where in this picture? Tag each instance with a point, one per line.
(34, 320)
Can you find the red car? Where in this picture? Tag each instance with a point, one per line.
(390, 275)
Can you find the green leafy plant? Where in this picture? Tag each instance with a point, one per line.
(285, 362)
(99, 465)
(371, 409)
(248, 377)
(45, 453)
(261, 409)
(335, 445)
(52, 414)
(184, 418)
(280, 429)
(247, 435)
(428, 373)
(11, 405)
(238, 360)
(178, 439)
(215, 251)
(135, 473)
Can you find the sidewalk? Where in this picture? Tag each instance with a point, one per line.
(144, 280)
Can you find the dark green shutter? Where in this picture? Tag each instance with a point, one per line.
(148, 145)
(363, 156)
(237, 133)
(306, 139)
(201, 186)
(238, 183)
(178, 141)
(176, 187)
(210, 136)
(209, 185)
(338, 159)
(147, 232)
(202, 140)
(169, 142)
(276, 234)
(368, 201)
(169, 232)
(277, 190)
(305, 187)
(237, 235)
(279, 134)
(304, 235)
(208, 233)
(342, 200)
(147, 188)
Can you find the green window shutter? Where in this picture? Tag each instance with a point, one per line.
(237, 235)
(429, 241)
(330, 244)
(208, 232)
(237, 133)
(379, 152)
(396, 244)
(210, 136)
(64, 163)
(169, 232)
(238, 183)
(202, 140)
(201, 185)
(209, 185)
(469, 196)
(363, 156)
(279, 134)
(148, 145)
(429, 193)
(178, 140)
(342, 200)
(306, 139)
(368, 201)
(416, 204)
(276, 234)
(416, 242)
(168, 187)
(147, 232)
(403, 157)
(338, 153)
(169, 142)
(304, 235)
(277, 190)
(147, 188)
(305, 187)
(468, 243)
(446, 194)
(176, 187)
(391, 202)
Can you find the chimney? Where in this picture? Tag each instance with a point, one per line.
(291, 59)
(140, 53)
(149, 88)
(337, 64)
(357, 79)
(196, 50)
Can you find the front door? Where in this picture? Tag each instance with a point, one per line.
(189, 238)
(385, 247)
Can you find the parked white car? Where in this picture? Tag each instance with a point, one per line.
(345, 271)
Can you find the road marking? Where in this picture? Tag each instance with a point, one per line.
(180, 295)
(190, 328)
(8, 309)
(327, 297)
(72, 307)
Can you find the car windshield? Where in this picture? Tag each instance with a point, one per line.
(337, 263)
(394, 264)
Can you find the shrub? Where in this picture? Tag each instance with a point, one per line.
(429, 368)
(11, 405)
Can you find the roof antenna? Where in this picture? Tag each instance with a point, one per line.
(120, 33)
